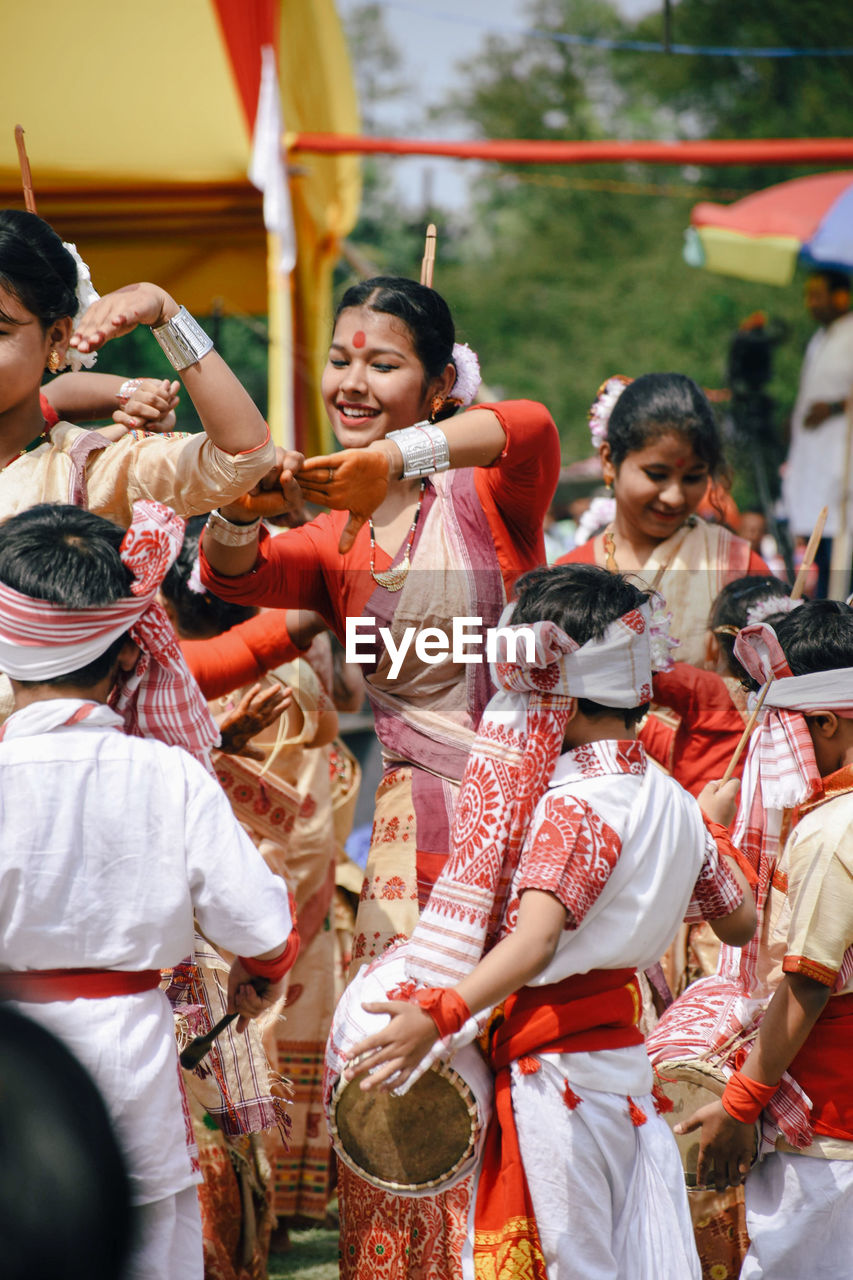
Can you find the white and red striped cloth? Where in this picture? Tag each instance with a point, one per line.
(157, 699)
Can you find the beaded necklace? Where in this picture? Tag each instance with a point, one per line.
(393, 579)
(45, 435)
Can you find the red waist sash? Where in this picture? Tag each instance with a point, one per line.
(824, 1068)
(42, 986)
(584, 1013)
(581, 1014)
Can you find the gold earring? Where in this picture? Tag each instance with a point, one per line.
(436, 407)
(54, 360)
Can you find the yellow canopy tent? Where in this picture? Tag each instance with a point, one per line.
(138, 124)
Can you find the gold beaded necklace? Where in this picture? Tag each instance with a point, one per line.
(393, 579)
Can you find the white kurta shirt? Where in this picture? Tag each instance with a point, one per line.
(108, 844)
(816, 463)
(625, 849)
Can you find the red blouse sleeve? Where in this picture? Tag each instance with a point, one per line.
(520, 484)
(242, 655)
(584, 554)
(289, 570)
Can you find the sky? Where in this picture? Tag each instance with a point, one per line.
(434, 36)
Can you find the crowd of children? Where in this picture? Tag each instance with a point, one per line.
(551, 843)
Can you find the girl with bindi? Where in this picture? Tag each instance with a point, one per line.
(660, 449)
(433, 515)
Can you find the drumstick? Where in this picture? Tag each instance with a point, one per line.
(201, 1046)
(428, 263)
(26, 175)
(796, 592)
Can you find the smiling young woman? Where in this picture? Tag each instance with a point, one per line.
(434, 517)
(662, 448)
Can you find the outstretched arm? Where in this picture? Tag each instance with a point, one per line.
(229, 416)
(357, 480)
(130, 402)
(390, 1055)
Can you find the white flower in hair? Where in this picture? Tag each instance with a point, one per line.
(766, 608)
(194, 582)
(467, 374)
(661, 639)
(86, 295)
(602, 407)
(599, 514)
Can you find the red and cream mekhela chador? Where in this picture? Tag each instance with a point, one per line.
(109, 843)
(690, 569)
(479, 529)
(581, 1177)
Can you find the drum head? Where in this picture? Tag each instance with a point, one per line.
(411, 1144)
(689, 1086)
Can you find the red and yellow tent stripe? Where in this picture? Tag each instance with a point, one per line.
(138, 123)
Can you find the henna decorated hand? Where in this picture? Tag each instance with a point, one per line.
(257, 709)
(151, 405)
(118, 313)
(276, 494)
(355, 480)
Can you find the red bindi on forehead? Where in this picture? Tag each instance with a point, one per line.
(679, 462)
(359, 338)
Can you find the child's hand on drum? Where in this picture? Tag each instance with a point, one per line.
(726, 1146)
(391, 1055)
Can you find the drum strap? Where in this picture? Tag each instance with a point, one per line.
(43, 986)
(585, 1012)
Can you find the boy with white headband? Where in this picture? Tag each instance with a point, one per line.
(573, 862)
(110, 842)
(799, 1199)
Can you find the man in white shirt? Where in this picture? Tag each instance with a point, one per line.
(818, 459)
(111, 843)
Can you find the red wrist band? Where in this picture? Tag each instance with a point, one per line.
(445, 1006)
(745, 1098)
(275, 969)
(729, 850)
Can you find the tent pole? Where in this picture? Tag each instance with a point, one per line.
(280, 348)
(842, 543)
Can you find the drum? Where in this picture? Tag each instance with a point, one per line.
(431, 1137)
(689, 1085)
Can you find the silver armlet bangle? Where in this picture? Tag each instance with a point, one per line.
(424, 448)
(183, 340)
(230, 534)
(128, 388)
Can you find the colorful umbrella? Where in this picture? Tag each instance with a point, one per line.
(763, 236)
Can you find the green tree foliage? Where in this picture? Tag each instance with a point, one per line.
(562, 276)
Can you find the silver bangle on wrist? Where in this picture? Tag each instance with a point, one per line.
(183, 340)
(229, 533)
(424, 448)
